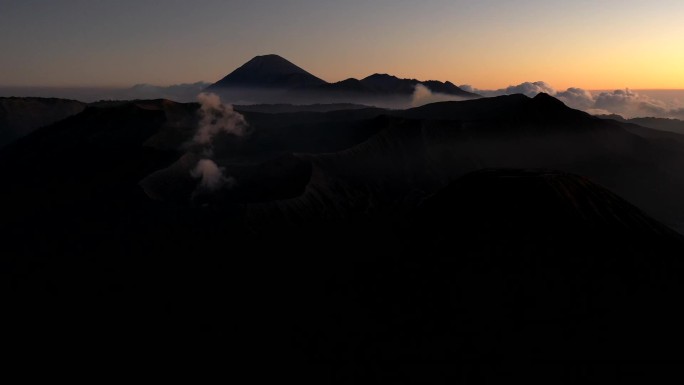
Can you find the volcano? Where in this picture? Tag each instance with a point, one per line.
(268, 71)
(271, 79)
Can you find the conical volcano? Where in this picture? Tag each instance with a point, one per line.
(268, 71)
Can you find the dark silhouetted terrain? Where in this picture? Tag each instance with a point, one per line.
(269, 71)
(664, 124)
(493, 233)
(388, 84)
(273, 79)
(20, 116)
(289, 108)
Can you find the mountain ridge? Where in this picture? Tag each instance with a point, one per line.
(20, 116)
(273, 72)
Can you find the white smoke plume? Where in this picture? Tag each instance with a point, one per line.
(626, 103)
(211, 175)
(216, 117)
(423, 95)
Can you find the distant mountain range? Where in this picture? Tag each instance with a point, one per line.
(277, 77)
(664, 124)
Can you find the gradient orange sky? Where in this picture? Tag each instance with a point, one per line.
(487, 43)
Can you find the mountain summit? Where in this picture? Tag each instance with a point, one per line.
(268, 71)
(273, 79)
(385, 83)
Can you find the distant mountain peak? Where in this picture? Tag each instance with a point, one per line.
(381, 76)
(276, 62)
(549, 103)
(273, 72)
(269, 56)
(544, 97)
(269, 71)
(386, 83)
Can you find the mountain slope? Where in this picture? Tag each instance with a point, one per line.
(271, 79)
(20, 116)
(530, 203)
(403, 250)
(421, 149)
(531, 264)
(663, 124)
(268, 71)
(388, 84)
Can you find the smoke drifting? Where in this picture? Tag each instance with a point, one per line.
(423, 95)
(216, 117)
(211, 175)
(625, 102)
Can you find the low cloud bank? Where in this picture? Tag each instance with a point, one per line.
(423, 95)
(186, 92)
(627, 103)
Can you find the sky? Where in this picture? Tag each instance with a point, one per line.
(489, 44)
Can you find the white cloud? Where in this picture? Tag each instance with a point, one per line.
(423, 95)
(627, 103)
(577, 98)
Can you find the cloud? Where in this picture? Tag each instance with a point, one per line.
(631, 104)
(528, 88)
(531, 89)
(577, 98)
(211, 176)
(423, 95)
(598, 111)
(677, 113)
(186, 92)
(468, 88)
(627, 103)
(216, 117)
(615, 99)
